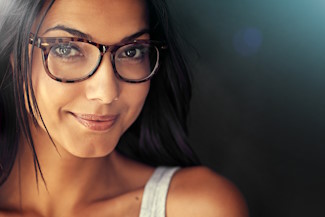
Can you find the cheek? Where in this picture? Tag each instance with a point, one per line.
(135, 97)
(138, 94)
(50, 94)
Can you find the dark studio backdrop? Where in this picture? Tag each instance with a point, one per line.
(258, 110)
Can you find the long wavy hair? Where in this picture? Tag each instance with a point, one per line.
(158, 137)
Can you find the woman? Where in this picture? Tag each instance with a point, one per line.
(101, 95)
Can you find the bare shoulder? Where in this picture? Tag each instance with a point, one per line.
(198, 191)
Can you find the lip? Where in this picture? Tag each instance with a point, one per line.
(96, 122)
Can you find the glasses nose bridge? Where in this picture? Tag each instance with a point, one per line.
(105, 49)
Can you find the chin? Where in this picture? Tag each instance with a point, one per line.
(92, 153)
(91, 149)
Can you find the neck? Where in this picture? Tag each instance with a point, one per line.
(69, 181)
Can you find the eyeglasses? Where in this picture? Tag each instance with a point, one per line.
(71, 59)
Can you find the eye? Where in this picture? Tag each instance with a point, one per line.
(132, 52)
(66, 51)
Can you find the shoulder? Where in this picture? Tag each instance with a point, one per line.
(198, 191)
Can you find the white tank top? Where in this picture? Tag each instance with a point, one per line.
(155, 192)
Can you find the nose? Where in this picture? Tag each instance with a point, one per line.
(103, 86)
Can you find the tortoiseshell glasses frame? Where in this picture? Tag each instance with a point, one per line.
(47, 43)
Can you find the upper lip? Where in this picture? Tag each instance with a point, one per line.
(95, 117)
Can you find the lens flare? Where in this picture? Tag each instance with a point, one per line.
(247, 41)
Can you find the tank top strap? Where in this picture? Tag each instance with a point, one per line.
(155, 192)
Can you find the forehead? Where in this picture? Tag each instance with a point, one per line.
(105, 20)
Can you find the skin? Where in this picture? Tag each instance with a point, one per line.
(84, 175)
(103, 93)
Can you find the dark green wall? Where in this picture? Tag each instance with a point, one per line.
(258, 111)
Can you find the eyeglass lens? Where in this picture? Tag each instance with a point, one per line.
(75, 60)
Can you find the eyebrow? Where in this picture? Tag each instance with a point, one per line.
(80, 34)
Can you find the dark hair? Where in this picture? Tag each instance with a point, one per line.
(158, 137)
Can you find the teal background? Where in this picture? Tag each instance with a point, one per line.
(259, 97)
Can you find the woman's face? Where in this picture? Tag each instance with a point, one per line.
(87, 118)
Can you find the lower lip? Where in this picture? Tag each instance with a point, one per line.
(97, 125)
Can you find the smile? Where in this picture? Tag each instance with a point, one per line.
(96, 122)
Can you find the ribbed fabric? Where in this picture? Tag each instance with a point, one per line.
(155, 192)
